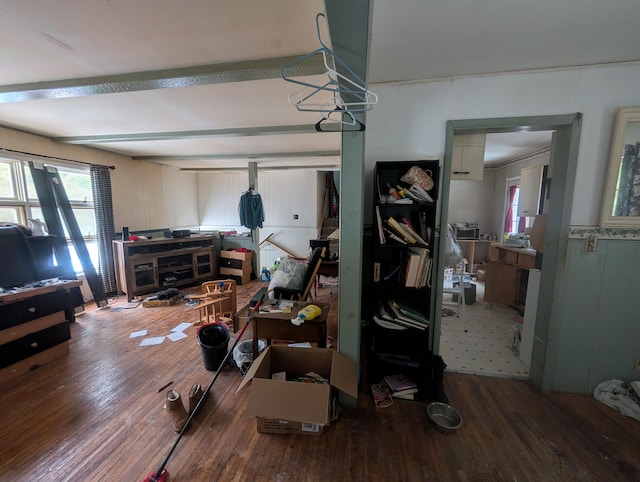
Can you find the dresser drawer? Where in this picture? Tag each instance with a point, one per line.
(19, 312)
(18, 331)
(33, 343)
(232, 263)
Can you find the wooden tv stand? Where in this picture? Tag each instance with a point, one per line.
(148, 266)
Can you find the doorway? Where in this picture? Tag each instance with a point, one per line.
(567, 129)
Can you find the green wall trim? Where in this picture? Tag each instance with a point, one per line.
(581, 232)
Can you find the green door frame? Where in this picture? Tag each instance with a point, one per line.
(567, 127)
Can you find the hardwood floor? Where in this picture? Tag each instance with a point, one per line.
(96, 415)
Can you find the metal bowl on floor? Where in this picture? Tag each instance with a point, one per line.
(445, 418)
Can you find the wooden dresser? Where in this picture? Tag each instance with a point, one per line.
(34, 326)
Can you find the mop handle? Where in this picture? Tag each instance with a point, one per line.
(206, 392)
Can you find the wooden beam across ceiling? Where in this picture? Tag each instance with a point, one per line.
(160, 79)
(191, 134)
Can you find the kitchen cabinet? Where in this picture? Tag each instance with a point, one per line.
(530, 190)
(467, 157)
(507, 275)
(147, 266)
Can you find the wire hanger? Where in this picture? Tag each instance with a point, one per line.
(348, 93)
(338, 118)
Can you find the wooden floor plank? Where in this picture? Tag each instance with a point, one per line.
(96, 415)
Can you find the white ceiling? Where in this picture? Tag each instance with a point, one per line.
(242, 43)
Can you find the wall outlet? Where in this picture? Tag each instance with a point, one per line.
(590, 243)
(636, 365)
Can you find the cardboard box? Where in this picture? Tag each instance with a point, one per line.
(295, 407)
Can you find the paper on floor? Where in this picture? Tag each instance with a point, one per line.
(152, 341)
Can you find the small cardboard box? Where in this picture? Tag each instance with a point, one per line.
(294, 407)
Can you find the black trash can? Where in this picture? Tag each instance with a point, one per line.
(213, 339)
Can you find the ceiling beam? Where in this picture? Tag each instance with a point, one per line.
(161, 79)
(193, 134)
(262, 155)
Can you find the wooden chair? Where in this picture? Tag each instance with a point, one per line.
(313, 264)
(217, 302)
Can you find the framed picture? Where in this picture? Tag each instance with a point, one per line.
(621, 202)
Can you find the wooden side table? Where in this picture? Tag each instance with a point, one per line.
(278, 326)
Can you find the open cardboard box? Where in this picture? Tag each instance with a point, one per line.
(294, 407)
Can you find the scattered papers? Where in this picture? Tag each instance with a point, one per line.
(132, 304)
(116, 309)
(157, 340)
(136, 334)
(176, 335)
(182, 326)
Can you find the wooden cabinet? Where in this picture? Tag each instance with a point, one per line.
(475, 251)
(467, 157)
(34, 326)
(400, 301)
(146, 266)
(530, 190)
(507, 275)
(236, 265)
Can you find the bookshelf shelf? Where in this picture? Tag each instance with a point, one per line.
(397, 336)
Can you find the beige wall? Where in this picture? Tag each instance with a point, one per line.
(145, 195)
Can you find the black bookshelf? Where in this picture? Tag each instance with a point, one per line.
(399, 287)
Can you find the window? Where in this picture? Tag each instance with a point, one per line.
(512, 223)
(19, 201)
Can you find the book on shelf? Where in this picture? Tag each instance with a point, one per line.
(386, 313)
(380, 229)
(417, 267)
(405, 396)
(412, 272)
(412, 313)
(420, 193)
(400, 382)
(395, 315)
(376, 272)
(393, 236)
(406, 223)
(400, 230)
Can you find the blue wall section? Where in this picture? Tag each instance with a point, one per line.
(598, 335)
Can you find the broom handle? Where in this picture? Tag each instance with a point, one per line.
(206, 392)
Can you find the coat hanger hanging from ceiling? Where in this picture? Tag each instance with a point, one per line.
(337, 116)
(347, 93)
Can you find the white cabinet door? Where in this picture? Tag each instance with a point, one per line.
(467, 157)
(530, 187)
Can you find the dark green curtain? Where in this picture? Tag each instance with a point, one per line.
(105, 230)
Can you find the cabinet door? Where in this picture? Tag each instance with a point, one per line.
(501, 283)
(203, 264)
(143, 275)
(467, 157)
(530, 188)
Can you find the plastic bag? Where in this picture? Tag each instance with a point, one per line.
(289, 275)
(453, 251)
(619, 395)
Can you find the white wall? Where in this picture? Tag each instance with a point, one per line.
(284, 193)
(595, 92)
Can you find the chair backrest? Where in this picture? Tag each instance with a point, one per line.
(312, 269)
(226, 287)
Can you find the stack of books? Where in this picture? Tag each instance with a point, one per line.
(400, 314)
(401, 386)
